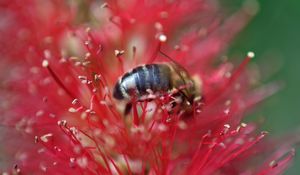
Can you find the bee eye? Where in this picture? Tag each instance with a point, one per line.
(117, 93)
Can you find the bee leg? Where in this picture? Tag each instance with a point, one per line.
(185, 98)
(128, 108)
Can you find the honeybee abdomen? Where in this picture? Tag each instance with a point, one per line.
(155, 77)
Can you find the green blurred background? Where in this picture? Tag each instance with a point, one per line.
(274, 35)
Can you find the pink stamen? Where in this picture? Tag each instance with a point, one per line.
(232, 79)
(135, 113)
(59, 82)
(127, 164)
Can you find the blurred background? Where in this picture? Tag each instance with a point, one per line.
(274, 36)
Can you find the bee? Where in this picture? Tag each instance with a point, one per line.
(151, 80)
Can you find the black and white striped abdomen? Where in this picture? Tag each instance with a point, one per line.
(155, 77)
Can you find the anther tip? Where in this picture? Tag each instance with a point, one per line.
(251, 54)
(45, 63)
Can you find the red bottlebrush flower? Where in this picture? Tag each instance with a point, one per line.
(62, 60)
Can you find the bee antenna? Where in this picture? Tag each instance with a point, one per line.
(169, 58)
(172, 60)
(176, 64)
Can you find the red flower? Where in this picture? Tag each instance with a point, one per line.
(62, 60)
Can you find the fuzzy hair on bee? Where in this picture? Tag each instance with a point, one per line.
(151, 80)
